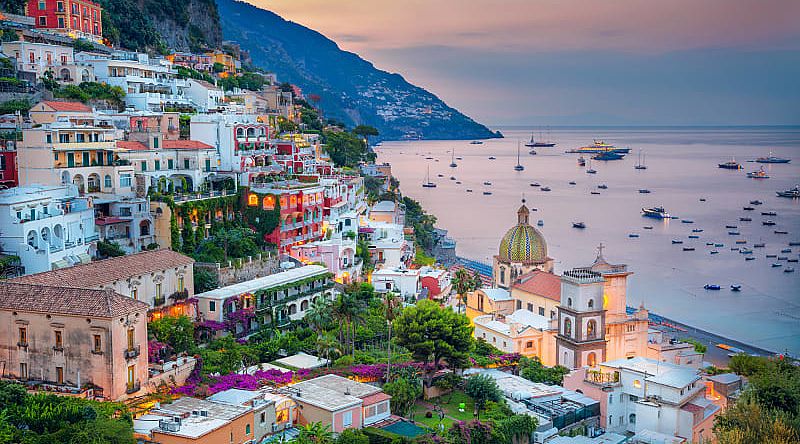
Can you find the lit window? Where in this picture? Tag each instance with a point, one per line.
(637, 383)
(98, 344)
(59, 339)
(23, 336)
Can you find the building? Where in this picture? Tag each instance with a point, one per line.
(192, 420)
(640, 394)
(47, 227)
(39, 58)
(665, 349)
(400, 280)
(436, 281)
(206, 96)
(197, 62)
(242, 141)
(387, 243)
(229, 63)
(489, 301)
(77, 19)
(180, 166)
(162, 279)
(8, 167)
(522, 250)
(388, 212)
(522, 332)
(126, 221)
(538, 292)
(337, 253)
(301, 207)
(276, 299)
(339, 402)
(272, 412)
(49, 111)
(63, 338)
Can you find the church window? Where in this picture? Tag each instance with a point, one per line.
(529, 344)
(567, 327)
(591, 329)
(591, 359)
(591, 303)
(569, 302)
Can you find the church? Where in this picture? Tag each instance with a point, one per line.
(575, 319)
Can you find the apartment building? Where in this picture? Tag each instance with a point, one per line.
(77, 19)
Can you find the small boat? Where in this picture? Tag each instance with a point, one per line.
(655, 213)
(736, 287)
(580, 225)
(748, 208)
(769, 213)
(535, 184)
(760, 174)
(756, 202)
(572, 182)
(783, 258)
(602, 186)
(608, 155)
(429, 158)
(711, 287)
(644, 191)
(745, 251)
(731, 165)
(428, 183)
(688, 248)
(453, 163)
(452, 177)
(518, 166)
(772, 159)
(594, 192)
(777, 264)
(750, 258)
(492, 158)
(740, 242)
(697, 230)
(487, 183)
(487, 193)
(581, 161)
(788, 270)
(702, 199)
(731, 226)
(719, 245)
(677, 241)
(780, 232)
(792, 259)
(794, 244)
(713, 252)
(687, 221)
(768, 223)
(734, 248)
(786, 250)
(771, 256)
(458, 182)
(459, 158)
(759, 245)
(545, 188)
(591, 171)
(476, 142)
(469, 190)
(633, 235)
(694, 236)
(793, 193)
(640, 165)
(540, 223)
(532, 152)
(734, 233)
(745, 219)
(709, 244)
(648, 227)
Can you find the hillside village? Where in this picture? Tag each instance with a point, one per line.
(191, 251)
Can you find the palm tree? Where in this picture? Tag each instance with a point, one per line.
(463, 283)
(315, 433)
(392, 305)
(327, 346)
(348, 310)
(319, 314)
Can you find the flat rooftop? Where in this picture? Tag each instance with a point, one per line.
(332, 392)
(273, 280)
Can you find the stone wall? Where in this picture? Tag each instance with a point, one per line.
(246, 269)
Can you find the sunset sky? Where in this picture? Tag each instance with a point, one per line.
(580, 62)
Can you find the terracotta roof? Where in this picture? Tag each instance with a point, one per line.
(186, 145)
(109, 220)
(68, 106)
(374, 398)
(66, 301)
(207, 85)
(98, 273)
(540, 283)
(131, 145)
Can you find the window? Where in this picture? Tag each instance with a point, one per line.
(263, 418)
(42, 21)
(591, 303)
(541, 311)
(186, 163)
(41, 6)
(135, 294)
(212, 306)
(131, 375)
(158, 290)
(567, 327)
(61, 22)
(60, 6)
(530, 307)
(519, 304)
(155, 142)
(23, 370)
(59, 339)
(125, 180)
(347, 419)
(59, 375)
(170, 164)
(144, 165)
(591, 329)
(247, 429)
(158, 165)
(98, 344)
(180, 283)
(637, 383)
(611, 398)
(50, 140)
(23, 336)
(529, 344)
(569, 302)
(107, 181)
(591, 359)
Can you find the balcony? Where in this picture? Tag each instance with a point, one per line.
(602, 379)
(133, 387)
(159, 301)
(133, 352)
(91, 238)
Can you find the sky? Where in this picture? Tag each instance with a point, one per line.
(570, 62)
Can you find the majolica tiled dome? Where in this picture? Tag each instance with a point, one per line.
(523, 243)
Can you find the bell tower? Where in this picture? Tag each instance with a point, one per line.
(581, 339)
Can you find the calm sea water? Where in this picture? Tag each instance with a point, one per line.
(682, 169)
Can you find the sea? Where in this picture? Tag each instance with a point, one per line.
(682, 176)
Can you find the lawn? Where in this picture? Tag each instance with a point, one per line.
(450, 408)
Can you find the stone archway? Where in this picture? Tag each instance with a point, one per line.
(78, 181)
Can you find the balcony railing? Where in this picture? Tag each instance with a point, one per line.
(159, 300)
(133, 352)
(133, 387)
(602, 379)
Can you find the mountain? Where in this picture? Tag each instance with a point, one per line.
(351, 89)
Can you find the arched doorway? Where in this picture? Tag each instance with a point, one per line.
(64, 75)
(78, 181)
(93, 184)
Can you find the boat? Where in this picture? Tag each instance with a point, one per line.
(777, 264)
(793, 193)
(719, 245)
(594, 192)
(429, 158)
(458, 182)
(644, 191)
(788, 270)
(492, 158)
(768, 223)
(745, 251)
(734, 233)
(459, 158)
(769, 213)
(535, 184)
(452, 177)
(640, 164)
(786, 250)
(756, 202)
(532, 152)
(687, 221)
(792, 259)
(599, 146)
(772, 159)
(694, 236)
(487, 183)
(748, 208)
(688, 248)
(581, 161)
(731, 226)
(578, 225)
(794, 244)
(736, 287)
(591, 170)
(572, 182)
(487, 193)
(759, 245)
(677, 241)
(731, 165)
(760, 174)
(540, 223)
(771, 256)
(545, 188)
(697, 230)
(745, 219)
(633, 235)
(518, 166)
(780, 232)
(655, 213)
(713, 252)
(734, 248)
(711, 287)
(741, 241)
(709, 244)
(750, 258)
(608, 155)
(602, 186)
(540, 144)
(702, 199)
(428, 183)
(453, 163)
(783, 258)
(476, 142)
(469, 190)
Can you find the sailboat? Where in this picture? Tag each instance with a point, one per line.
(428, 183)
(453, 159)
(591, 170)
(518, 166)
(640, 165)
(540, 144)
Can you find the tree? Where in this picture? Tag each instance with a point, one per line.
(351, 436)
(464, 282)
(405, 391)
(747, 422)
(328, 347)
(533, 370)
(392, 305)
(106, 249)
(204, 280)
(434, 334)
(365, 131)
(482, 388)
(177, 331)
(517, 429)
(315, 433)
(318, 315)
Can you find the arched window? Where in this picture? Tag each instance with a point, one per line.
(304, 306)
(632, 418)
(107, 181)
(591, 359)
(591, 329)
(567, 327)
(502, 275)
(569, 302)
(591, 303)
(292, 309)
(239, 132)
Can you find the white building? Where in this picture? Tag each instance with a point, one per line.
(388, 246)
(242, 141)
(399, 280)
(42, 57)
(206, 96)
(47, 227)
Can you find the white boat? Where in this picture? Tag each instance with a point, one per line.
(640, 164)
(518, 166)
(428, 183)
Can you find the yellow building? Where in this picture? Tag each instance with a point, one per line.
(521, 251)
(230, 62)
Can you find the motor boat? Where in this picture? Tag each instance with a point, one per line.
(736, 287)
(644, 191)
(602, 186)
(655, 213)
(793, 193)
(768, 223)
(578, 225)
(677, 241)
(711, 287)
(760, 174)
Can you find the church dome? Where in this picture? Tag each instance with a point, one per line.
(523, 243)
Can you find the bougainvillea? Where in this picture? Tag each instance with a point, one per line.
(156, 351)
(505, 360)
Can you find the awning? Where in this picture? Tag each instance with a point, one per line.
(85, 258)
(60, 264)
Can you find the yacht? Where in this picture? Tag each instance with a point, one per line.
(640, 165)
(756, 202)
(745, 219)
(602, 186)
(711, 287)
(748, 208)
(634, 235)
(793, 193)
(492, 158)
(487, 193)
(697, 230)
(644, 191)
(578, 225)
(760, 174)
(518, 166)
(731, 165)
(687, 221)
(453, 163)
(600, 146)
(648, 227)
(572, 182)
(608, 155)
(655, 213)
(772, 159)
(540, 144)
(428, 183)
(769, 213)
(545, 188)
(788, 270)
(535, 184)
(688, 248)
(677, 241)
(768, 223)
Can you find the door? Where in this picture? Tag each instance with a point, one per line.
(70, 159)
(86, 159)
